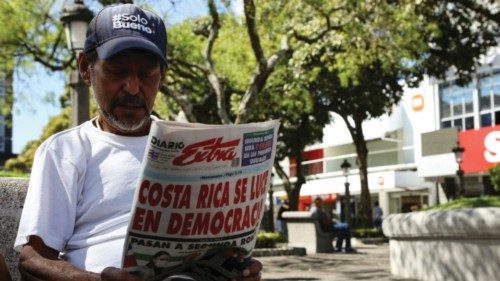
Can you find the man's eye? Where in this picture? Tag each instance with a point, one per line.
(147, 75)
(116, 72)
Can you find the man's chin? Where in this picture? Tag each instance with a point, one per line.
(128, 123)
(132, 125)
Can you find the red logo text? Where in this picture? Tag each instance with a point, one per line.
(208, 151)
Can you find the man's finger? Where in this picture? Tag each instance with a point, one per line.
(252, 271)
(113, 273)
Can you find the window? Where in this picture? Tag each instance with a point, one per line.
(489, 95)
(469, 123)
(485, 119)
(457, 108)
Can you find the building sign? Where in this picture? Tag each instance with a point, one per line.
(482, 148)
(417, 102)
(310, 168)
(380, 181)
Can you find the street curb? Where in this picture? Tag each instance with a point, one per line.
(268, 252)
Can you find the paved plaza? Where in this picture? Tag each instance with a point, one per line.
(370, 263)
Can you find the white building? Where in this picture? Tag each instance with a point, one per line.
(410, 161)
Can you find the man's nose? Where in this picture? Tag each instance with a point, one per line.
(132, 83)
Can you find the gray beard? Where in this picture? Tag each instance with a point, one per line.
(123, 125)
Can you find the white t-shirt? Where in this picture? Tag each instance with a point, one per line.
(80, 193)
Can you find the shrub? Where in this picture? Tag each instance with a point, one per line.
(269, 239)
(495, 176)
(9, 174)
(368, 232)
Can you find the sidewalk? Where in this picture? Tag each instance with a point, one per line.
(371, 262)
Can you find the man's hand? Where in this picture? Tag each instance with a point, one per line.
(113, 273)
(252, 272)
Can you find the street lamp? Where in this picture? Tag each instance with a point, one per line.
(76, 18)
(271, 204)
(459, 151)
(346, 167)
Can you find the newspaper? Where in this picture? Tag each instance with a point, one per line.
(200, 199)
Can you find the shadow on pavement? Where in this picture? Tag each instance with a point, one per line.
(291, 279)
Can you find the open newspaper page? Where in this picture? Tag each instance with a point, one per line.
(200, 199)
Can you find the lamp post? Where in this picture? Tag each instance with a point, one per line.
(76, 18)
(459, 151)
(346, 167)
(271, 204)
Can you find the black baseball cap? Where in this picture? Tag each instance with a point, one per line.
(125, 26)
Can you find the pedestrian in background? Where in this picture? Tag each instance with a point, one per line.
(281, 223)
(377, 214)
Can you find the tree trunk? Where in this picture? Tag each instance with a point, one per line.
(358, 138)
(299, 143)
(292, 191)
(362, 161)
(286, 184)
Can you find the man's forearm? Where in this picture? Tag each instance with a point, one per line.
(37, 261)
(34, 266)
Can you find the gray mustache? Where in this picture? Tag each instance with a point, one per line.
(128, 100)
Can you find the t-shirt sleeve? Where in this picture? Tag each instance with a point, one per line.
(50, 206)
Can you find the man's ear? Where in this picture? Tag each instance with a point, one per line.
(83, 67)
(163, 70)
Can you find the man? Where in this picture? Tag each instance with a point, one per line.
(377, 214)
(83, 179)
(281, 224)
(341, 230)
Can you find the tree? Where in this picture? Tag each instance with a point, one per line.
(457, 33)
(205, 66)
(236, 77)
(359, 72)
(302, 122)
(31, 33)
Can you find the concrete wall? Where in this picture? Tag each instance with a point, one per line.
(461, 244)
(12, 194)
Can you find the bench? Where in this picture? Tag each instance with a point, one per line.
(12, 194)
(305, 231)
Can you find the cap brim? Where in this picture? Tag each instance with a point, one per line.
(116, 45)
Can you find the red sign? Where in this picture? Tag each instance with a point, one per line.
(482, 148)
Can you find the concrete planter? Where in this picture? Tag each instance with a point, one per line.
(462, 244)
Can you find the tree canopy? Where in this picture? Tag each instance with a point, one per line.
(359, 72)
(295, 60)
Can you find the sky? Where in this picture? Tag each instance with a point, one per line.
(37, 93)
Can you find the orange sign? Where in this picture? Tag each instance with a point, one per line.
(417, 102)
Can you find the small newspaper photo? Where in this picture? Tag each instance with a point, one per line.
(200, 199)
